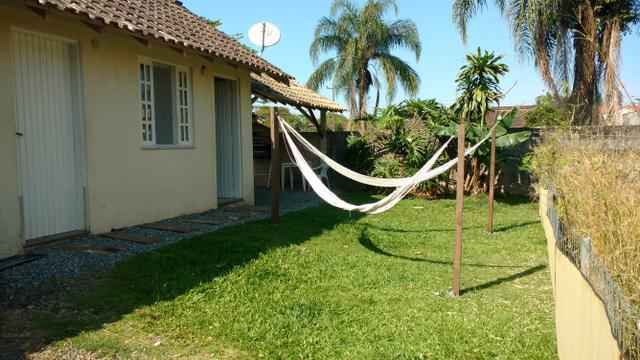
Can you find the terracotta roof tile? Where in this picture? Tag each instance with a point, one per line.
(169, 21)
(295, 94)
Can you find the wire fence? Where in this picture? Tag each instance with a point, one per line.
(624, 318)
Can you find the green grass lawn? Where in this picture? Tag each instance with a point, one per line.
(327, 285)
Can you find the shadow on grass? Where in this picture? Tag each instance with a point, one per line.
(422, 231)
(171, 271)
(505, 279)
(513, 199)
(365, 240)
(410, 231)
(509, 199)
(515, 226)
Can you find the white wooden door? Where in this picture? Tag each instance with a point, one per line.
(48, 140)
(228, 139)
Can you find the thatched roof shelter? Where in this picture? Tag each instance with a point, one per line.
(297, 95)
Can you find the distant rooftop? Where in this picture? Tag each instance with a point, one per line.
(503, 110)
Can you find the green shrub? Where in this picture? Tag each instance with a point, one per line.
(359, 153)
(388, 166)
(549, 111)
(398, 142)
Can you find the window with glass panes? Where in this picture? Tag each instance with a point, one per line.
(165, 100)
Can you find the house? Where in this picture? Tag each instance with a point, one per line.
(630, 115)
(117, 113)
(626, 115)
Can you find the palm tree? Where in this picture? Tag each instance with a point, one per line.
(361, 40)
(569, 40)
(478, 86)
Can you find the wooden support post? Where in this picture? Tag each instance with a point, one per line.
(323, 134)
(492, 180)
(310, 116)
(275, 167)
(457, 258)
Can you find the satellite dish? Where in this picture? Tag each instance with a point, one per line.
(264, 34)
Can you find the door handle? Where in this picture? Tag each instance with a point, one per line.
(19, 133)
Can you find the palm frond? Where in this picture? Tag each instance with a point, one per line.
(322, 74)
(397, 71)
(325, 43)
(356, 37)
(404, 33)
(463, 11)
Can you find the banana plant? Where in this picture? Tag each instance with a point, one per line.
(476, 132)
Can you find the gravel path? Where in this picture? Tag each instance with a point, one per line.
(64, 264)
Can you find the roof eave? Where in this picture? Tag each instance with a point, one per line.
(283, 77)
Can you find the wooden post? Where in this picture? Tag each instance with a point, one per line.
(492, 180)
(323, 133)
(457, 258)
(275, 167)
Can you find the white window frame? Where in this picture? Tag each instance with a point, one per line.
(182, 109)
(184, 113)
(147, 111)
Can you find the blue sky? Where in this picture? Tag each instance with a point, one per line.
(443, 51)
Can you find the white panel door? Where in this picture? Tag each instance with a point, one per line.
(51, 179)
(227, 139)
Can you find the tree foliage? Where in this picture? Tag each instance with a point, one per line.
(478, 86)
(403, 136)
(398, 142)
(549, 111)
(361, 41)
(298, 121)
(574, 41)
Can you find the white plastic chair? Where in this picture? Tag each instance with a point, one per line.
(323, 174)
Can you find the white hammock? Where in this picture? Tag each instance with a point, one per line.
(386, 203)
(370, 180)
(348, 173)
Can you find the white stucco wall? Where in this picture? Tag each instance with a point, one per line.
(126, 184)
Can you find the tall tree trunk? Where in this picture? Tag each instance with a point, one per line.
(610, 53)
(362, 101)
(375, 109)
(362, 106)
(584, 80)
(353, 107)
